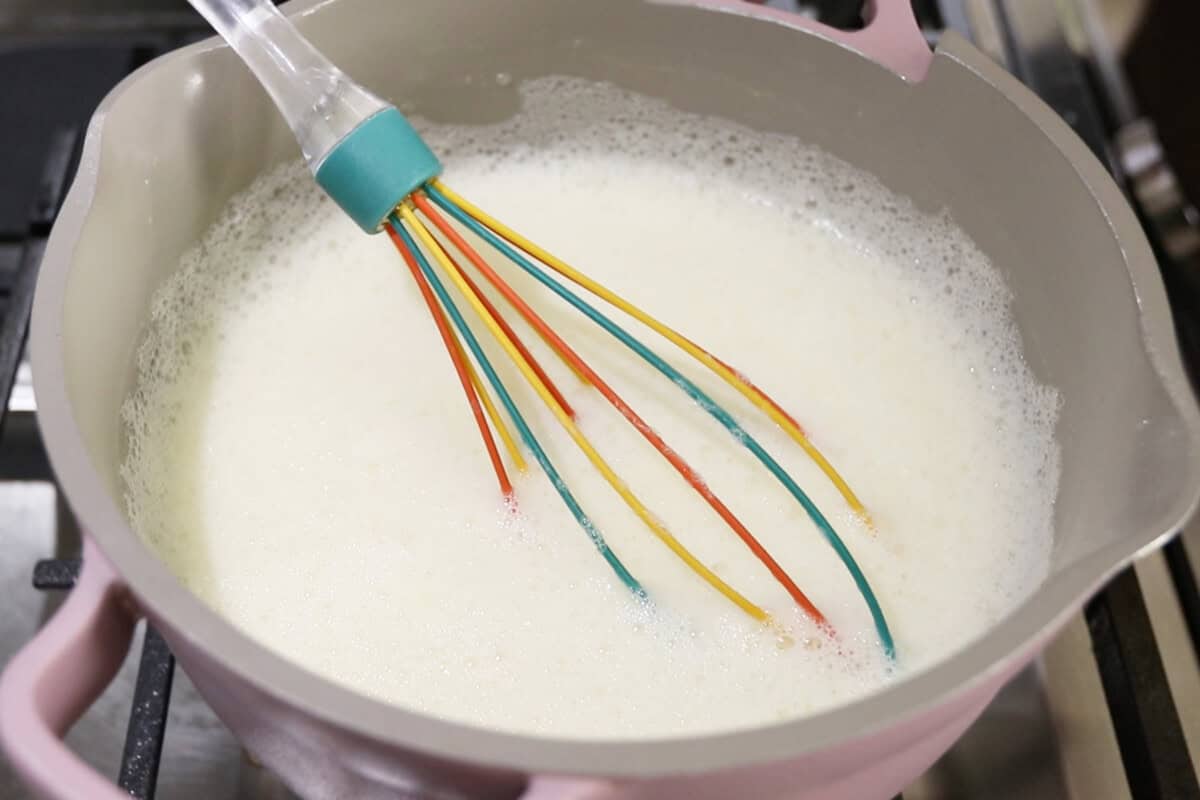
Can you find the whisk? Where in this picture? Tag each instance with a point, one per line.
(370, 160)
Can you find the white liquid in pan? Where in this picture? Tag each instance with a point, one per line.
(301, 454)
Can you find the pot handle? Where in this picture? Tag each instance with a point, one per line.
(58, 675)
(891, 37)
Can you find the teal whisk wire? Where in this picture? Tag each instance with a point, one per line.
(698, 395)
(506, 400)
(370, 160)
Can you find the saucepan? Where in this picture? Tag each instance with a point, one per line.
(946, 128)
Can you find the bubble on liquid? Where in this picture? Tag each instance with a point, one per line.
(259, 255)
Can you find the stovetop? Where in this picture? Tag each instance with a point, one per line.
(1111, 711)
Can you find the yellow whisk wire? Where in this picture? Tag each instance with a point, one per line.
(451, 270)
(489, 407)
(728, 375)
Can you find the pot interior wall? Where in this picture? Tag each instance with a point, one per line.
(184, 137)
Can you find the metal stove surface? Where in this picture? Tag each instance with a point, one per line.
(1112, 711)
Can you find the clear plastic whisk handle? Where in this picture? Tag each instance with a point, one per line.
(320, 103)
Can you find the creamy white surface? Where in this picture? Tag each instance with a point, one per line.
(301, 454)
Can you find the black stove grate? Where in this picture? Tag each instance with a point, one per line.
(1146, 720)
(148, 718)
(50, 91)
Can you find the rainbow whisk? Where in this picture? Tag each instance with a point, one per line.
(375, 166)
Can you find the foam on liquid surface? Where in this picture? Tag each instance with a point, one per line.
(302, 457)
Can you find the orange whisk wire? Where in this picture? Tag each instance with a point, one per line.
(569, 355)
(461, 366)
(521, 348)
(519, 251)
(729, 375)
(430, 244)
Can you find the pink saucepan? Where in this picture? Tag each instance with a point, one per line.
(171, 144)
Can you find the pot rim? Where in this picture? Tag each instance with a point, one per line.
(977, 667)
